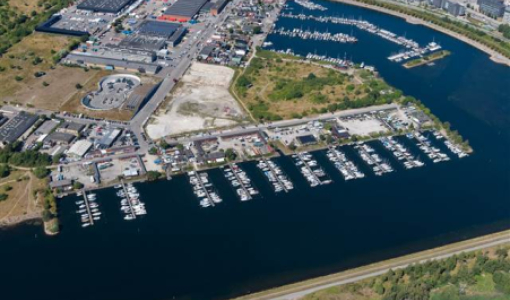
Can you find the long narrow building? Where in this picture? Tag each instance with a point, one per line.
(183, 10)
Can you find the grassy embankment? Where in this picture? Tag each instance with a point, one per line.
(449, 24)
(467, 276)
(426, 59)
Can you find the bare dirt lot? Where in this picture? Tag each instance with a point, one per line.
(200, 101)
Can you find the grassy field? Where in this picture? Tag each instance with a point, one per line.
(26, 6)
(277, 86)
(469, 276)
(21, 202)
(34, 54)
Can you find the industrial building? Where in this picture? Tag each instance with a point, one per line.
(139, 96)
(218, 7)
(493, 8)
(154, 36)
(108, 138)
(71, 128)
(16, 127)
(183, 10)
(79, 149)
(104, 6)
(110, 63)
(59, 138)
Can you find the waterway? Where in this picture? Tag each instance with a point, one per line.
(182, 251)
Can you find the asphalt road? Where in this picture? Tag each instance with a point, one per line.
(140, 119)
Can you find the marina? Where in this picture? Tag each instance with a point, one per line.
(310, 5)
(401, 153)
(414, 49)
(203, 189)
(88, 209)
(240, 182)
(433, 153)
(310, 169)
(346, 167)
(372, 159)
(131, 205)
(275, 176)
(316, 35)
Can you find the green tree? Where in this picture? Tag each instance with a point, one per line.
(77, 185)
(41, 172)
(4, 170)
(3, 197)
(153, 175)
(230, 154)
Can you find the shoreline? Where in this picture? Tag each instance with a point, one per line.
(493, 55)
(299, 289)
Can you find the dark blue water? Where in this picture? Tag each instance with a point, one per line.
(184, 252)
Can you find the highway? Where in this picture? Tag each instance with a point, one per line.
(299, 290)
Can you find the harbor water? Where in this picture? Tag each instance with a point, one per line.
(180, 250)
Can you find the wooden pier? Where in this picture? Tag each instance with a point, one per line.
(276, 176)
(309, 169)
(88, 207)
(201, 183)
(240, 181)
(126, 193)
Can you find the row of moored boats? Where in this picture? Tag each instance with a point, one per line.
(131, 205)
(310, 169)
(88, 210)
(240, 182)
(203, 189)
(275, 175)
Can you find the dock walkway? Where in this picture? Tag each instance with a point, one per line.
(88, 207)
(126, 192)
(240, 181)
(276, 176)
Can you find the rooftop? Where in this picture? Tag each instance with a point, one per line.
(16, 127)
(106, 6)
(161, 29)
(185, 8)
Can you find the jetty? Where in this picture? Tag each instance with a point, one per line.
(346, 167)
(424, 144)
(400, 153)
(126, 192)
(235, 170)
(275, 176)
(368, 155)
(87, 206)
(316, 35)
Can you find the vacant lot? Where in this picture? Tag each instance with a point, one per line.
(200, 101)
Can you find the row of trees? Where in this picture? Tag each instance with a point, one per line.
(13, 155)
